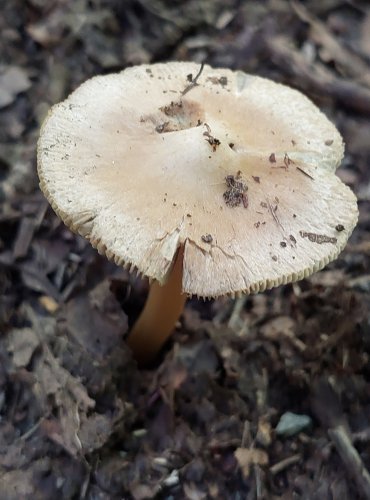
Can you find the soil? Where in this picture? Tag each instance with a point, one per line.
(263, 397)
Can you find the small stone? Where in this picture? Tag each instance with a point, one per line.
(291, 424)
(272, 158)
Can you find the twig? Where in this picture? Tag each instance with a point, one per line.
(327, 407)
(317, 77)
(351, 459)
(194, 81)
(361, 436)
(362, 247)
(274, 216)
(350, 63)
(31, 431)
(260, 488)
(283, 464)
(305, 173)
(235, 315)
(86, 482)
(246, 437)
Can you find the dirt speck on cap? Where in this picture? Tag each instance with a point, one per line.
(236, 193)
(318, 238)
(207, 238)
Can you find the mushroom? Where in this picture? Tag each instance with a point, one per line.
(206, 181)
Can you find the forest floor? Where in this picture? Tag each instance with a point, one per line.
(213, 418)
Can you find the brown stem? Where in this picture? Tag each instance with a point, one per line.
(163, 308)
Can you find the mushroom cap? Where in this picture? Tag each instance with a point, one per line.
(237, 169)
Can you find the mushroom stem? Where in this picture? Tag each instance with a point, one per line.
(163, 308)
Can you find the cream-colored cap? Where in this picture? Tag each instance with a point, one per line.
(236, 168)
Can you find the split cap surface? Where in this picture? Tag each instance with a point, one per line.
(236, 170)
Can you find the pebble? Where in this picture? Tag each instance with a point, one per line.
(291, 424)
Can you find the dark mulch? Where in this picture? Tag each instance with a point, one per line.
(77, 418)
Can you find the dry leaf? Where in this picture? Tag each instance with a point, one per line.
(250, 456)
(22, 343)
(48, 303)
